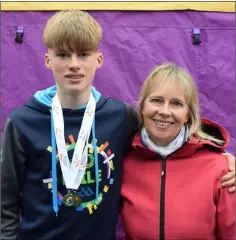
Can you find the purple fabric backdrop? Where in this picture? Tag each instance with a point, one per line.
(133, 43)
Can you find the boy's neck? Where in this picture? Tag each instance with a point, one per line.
(73, 100)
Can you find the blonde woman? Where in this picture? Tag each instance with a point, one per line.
(171, 184)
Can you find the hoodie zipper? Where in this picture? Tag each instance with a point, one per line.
(162, 199)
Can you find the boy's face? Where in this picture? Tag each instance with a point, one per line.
(73, 72)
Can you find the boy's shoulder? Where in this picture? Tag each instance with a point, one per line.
(112, 100)
(30, 111)
(21, 109)
(117, 102)
(117, 106)
(17, 112)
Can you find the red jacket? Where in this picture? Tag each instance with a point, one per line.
(179, 197)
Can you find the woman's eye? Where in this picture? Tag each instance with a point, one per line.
(177, 104)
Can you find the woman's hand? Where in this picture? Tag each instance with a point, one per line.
(228, 180)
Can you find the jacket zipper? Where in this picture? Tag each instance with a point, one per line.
(162, 199)
(162, 195)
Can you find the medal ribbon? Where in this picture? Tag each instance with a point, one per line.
(73, 172)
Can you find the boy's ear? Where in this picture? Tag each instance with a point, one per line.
(47, 61)
(99, 60)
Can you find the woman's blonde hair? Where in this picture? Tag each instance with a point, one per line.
(177, 76)
(72, 30)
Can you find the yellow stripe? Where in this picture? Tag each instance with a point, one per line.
(105, 189)
(111, 164)
(90, 208)
(139, 6)
(49, 148)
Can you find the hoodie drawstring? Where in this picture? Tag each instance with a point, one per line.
(96, 158)
(54, 168)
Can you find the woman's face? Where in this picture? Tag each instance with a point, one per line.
(165, 111)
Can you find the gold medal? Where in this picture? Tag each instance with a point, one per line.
(71, 200)
(68, 200)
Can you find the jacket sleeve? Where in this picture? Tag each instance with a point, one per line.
(132, 126)
(225, 210)
(12, 173)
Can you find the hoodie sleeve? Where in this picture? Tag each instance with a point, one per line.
(225, 208)
(12, 171)
(131, 126)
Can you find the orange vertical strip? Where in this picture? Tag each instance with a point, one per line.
(72, 140)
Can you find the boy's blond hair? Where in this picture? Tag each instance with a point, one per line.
(72, 30)
(175, 76)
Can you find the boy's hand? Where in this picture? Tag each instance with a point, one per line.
(228, 180)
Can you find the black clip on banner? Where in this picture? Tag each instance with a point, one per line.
(196, 36)
(19, 34)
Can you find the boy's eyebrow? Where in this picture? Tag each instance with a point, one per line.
(60, 50)
(69, 51)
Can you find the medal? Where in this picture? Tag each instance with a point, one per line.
(68, 200)
(73, 172)
(71, 200)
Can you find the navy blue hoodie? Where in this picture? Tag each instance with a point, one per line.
(32, 183)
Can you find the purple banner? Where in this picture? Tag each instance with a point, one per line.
(133, 43)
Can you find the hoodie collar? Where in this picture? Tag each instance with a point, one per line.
(45, 96)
